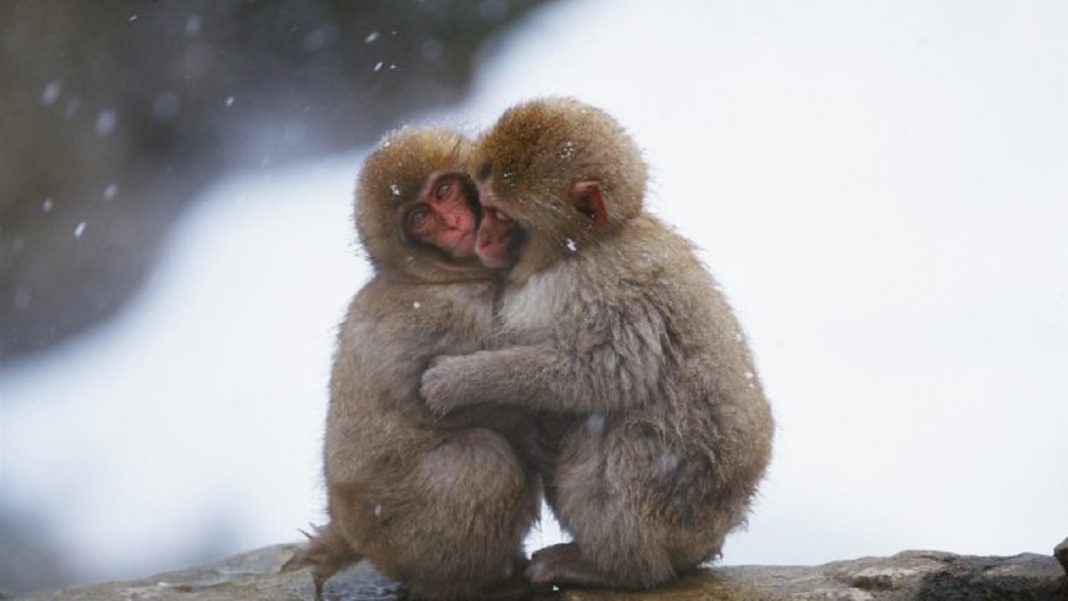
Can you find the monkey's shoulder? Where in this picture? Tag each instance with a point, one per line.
(643, 280)
(385, 310)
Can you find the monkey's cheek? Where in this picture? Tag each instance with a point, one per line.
(492, 257)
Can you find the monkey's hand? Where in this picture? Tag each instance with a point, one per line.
(445, 384)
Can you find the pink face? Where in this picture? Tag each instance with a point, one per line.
(498, 234)
(443, 217)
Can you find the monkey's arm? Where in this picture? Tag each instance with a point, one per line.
(545, 378)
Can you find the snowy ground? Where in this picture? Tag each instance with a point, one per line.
(880, 188)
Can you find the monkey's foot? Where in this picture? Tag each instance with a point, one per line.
(562, 565)
(325, 554)
(515, 588)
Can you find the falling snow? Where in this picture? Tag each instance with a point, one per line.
(229, 101)
(394, 189)
(416, 305)
(567, 151)
(571, 246)
(110, 191)
(371, 37)
(22, 299)
(378, 510)
(106, 121)
(595, 423)
(51, 92)
(47, 205)
(378, 66)
(749, 375)
(79, 229)
(192, 25)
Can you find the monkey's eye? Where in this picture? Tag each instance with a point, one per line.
(499, 215)
(443, 189)
(417, 217)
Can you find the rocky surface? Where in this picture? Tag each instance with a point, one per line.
(114, 115)
(919, 575)
(1061, 553)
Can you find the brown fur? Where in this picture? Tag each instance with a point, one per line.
(441, 505)
(619, 330)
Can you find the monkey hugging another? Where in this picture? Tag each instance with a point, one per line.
(530, 331)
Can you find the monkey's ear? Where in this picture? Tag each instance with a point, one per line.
(586, 197)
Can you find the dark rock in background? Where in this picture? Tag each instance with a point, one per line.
(920, 575)
(114, 114)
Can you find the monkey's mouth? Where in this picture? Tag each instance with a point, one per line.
(464, 246)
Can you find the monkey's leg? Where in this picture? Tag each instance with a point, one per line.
(325, 553)
(457, 522)
(562, 565)
(618, 542)
(617, 564)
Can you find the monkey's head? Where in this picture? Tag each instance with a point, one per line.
(416, 209)
(554, 175)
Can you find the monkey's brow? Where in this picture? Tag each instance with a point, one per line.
(484, 170)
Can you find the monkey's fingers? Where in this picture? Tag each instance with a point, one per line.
(435, 392)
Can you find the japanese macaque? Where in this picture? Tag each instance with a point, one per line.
(609, 319)
(441, 505)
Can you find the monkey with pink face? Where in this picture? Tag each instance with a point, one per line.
(441, 505)
(609, 325)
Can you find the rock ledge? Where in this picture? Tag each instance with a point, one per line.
(907, 575)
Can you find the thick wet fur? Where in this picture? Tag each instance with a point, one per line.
(441, 505)
(610, 323)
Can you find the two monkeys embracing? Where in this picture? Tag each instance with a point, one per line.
(531, 333)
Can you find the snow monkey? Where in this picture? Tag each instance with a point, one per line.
(609, 318)
(441, 505)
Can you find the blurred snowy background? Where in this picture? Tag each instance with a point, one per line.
(880, 188)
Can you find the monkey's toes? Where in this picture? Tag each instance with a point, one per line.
(554, 551)
(540, 574)
(544, 569)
